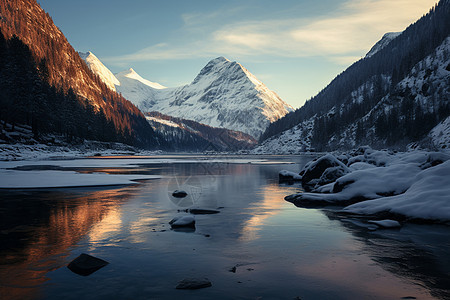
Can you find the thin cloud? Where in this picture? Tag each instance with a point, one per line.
(353, 28)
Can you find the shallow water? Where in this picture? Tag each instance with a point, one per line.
(279, 251)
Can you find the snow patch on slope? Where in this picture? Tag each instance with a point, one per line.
(294, 140)
(385, 40)
(131, 74)
(440, 135)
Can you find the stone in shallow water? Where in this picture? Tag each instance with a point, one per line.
(193, 283)
(183, 221)
(203, 211)
(86, 264)
(387, 223)
(179, 194)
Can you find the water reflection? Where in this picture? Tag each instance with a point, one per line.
(39, 228)
(281, 251)
(269, 205)
(416, 252)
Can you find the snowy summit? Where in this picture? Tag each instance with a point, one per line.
(385, 40)
(224, 94)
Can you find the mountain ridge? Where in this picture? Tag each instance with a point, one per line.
(224, 94)
(65, 70)
(343, 103)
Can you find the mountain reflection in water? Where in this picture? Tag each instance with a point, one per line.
(38, 230)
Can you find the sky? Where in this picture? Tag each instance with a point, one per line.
(295, 47)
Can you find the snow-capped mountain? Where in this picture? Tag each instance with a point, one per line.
(137, 89)
(385, 40)
(99, 68)
(224, 94)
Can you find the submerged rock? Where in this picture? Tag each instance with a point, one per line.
(203, 211)
(86, 264)
(387, 223)
(183, 221)
(193, 283)
(179, 194)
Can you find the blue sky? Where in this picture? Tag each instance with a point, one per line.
(296, 47)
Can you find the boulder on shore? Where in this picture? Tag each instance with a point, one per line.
(315, 169)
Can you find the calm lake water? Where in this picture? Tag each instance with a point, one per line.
(279, 251)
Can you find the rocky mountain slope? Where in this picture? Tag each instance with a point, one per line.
(188, 135)
(391, 98)
(422, 96)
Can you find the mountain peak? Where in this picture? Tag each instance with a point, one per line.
(132, 74)
(98, 68)
(224, 94)
(219, 59)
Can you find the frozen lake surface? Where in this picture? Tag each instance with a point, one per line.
(257, 247)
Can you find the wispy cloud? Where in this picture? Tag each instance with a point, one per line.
(341, 36)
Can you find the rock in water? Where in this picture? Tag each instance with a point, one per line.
(203, 211)
(193, 283)
(183, 221)
(179, 194)
(387, 223)
(86, 264)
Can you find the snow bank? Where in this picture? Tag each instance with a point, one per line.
(427, 198)
(413, 184)
(13, 179)
(20, 151)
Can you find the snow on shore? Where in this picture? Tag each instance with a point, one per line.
(413, 185)
(13, 179)
(427, 198)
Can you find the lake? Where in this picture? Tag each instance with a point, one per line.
(257, 247)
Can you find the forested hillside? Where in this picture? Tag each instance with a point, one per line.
(349, 99)
(45, 81)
